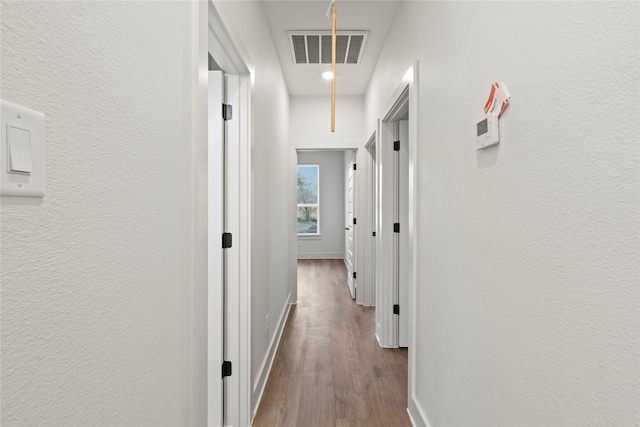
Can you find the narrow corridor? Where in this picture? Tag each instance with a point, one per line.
(329, 369)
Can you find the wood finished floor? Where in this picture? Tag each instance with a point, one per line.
(329, 369)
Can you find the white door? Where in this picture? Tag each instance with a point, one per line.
(350, 227)
(404, 251)
(215, 333)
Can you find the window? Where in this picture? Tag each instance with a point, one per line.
(308, 199)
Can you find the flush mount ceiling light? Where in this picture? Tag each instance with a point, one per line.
(327, 75)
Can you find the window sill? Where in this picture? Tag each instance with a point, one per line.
(309, 236)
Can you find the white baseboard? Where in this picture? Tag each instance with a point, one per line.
(416, 414)
(320, 255)
(261, 379)
(384, 346)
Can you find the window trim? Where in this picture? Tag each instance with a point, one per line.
(316, 205)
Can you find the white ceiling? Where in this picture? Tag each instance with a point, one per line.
(309, 15)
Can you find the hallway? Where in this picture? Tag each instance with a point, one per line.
(329, 369)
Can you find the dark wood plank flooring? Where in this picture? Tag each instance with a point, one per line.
(329, 369)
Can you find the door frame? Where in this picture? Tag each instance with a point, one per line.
(298, 147)
(405, 95)
(386, 244)
(211, 37)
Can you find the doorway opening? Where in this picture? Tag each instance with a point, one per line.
(326, 220)
(394, 226)
(394, 201)
(223, 176)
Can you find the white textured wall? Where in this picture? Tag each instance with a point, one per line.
(331, 242)
(310, 122)
(271, 229)
(96, 278)
(528, 253)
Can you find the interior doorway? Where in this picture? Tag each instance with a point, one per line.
(394, 155)
(326, 208)
(395, 163)
(394, 228)
(224, 199)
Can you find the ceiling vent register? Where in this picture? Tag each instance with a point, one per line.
(314, 47)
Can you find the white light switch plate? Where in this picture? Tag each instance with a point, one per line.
(28, 155)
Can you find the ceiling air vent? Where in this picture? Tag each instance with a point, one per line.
(314, 47)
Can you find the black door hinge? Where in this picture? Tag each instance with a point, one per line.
(396, 309)
(355, 275)
(227, 111)
(396, 227)
(355, 167)
(354, 221)
(373, 234)
(226, 240)
(396, 145)
(226, 369)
